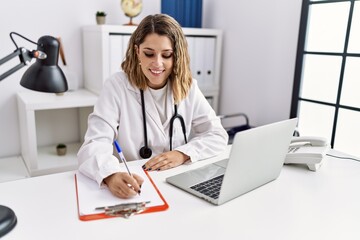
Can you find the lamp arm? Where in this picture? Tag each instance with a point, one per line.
(25, 57)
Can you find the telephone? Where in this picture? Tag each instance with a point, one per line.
(307, 150)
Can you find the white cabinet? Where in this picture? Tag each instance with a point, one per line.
(46, 119)
(105, 46)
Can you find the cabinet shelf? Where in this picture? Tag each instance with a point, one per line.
(50, 162)
(42, 126)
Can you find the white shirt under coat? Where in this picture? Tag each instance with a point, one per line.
(118, 114)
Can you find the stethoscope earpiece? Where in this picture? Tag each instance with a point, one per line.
(145, 152)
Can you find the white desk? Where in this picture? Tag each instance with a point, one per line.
(300, 204)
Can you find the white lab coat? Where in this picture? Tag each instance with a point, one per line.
(118, 114)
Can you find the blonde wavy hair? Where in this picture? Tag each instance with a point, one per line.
(163, 25)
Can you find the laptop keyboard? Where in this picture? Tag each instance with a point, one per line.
(210, 187)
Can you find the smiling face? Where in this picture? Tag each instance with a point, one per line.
(156, 59)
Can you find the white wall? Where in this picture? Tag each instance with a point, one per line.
(260, 40)
(259, 49)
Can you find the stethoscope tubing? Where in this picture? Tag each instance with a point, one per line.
(172, 120)
(182, 122)
(144, 117)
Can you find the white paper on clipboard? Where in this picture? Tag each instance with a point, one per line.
(91, 196)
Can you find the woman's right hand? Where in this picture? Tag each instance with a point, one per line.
(122, 185)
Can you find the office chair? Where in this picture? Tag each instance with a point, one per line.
(232, 130)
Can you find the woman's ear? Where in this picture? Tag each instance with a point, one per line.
(137, 50)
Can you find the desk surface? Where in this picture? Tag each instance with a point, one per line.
(300, 204)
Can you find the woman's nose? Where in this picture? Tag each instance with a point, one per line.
(158, 60)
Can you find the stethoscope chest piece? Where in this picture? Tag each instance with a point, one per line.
(145, 152)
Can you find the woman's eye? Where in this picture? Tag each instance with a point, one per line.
(167, 55)
(149, 54)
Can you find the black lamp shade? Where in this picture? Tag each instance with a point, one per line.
(45, 75)
(8, 220)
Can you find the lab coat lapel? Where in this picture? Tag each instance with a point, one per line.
(169, 106)
(151, 111)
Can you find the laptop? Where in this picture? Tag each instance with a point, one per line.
(256, 158)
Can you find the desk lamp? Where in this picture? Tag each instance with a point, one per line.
(45, 76)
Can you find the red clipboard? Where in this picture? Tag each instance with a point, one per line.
(102, 215)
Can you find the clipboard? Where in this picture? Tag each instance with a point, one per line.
(93, 201)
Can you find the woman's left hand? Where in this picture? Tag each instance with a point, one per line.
(165, 161)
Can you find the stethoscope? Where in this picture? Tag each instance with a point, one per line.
(145, 151)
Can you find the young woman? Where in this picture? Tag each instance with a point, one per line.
(153, 108)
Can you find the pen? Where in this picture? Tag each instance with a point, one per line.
(122, 158)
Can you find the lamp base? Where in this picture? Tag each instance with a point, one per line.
(8, 220)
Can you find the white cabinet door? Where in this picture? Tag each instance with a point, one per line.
(209, 62)
(118, 47)
(116, 53)
(202, 57)
(126, 40)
